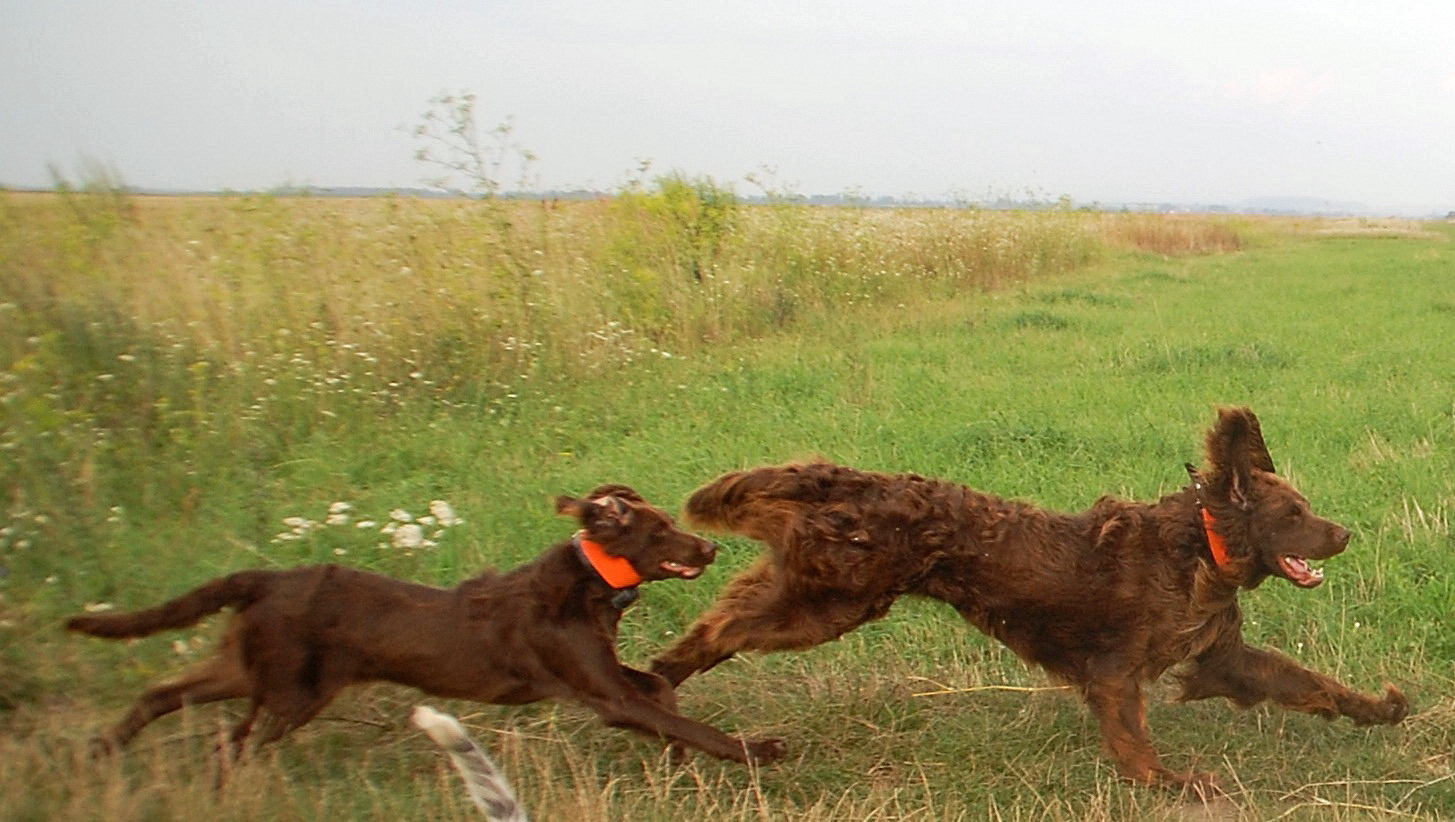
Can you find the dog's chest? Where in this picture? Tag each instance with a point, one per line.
(1197, 631)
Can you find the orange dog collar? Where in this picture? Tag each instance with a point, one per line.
(1215, 542)
(614, 571)
(1216, 545)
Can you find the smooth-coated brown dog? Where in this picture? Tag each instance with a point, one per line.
(1104, 600)
(546, 630)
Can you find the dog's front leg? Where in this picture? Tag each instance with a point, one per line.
(652, 686)
(634, 711)
(660, 691)
(627, 698)
(1121, 710)
(744, 611)
(756, 613)
(1248, 676)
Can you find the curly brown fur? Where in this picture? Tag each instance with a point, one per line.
(546, 630)
(1105, 600)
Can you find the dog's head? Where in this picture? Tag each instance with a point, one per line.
(627, 526)
(1267, 524)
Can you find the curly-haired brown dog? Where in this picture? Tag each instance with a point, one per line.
(1104, 600)
(546, 630)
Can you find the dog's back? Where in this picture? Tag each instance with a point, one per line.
(766, 502)
(782, 505)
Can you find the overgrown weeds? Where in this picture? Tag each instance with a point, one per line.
(173, 331)
(1172, 235)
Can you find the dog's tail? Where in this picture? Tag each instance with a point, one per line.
(233, 590)
(765, 503)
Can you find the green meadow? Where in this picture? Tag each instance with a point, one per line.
(190, 387)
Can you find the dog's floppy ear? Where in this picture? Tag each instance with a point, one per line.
(611, 506)
(1257, 450)
(1235, 448)
(572, 507)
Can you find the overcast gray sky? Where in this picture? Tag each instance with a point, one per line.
(1149, 100)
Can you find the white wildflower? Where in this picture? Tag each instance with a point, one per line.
(409, 535)
(365, 523)
(338, 513)
(401, 515)
(444, 513)
(97, 607)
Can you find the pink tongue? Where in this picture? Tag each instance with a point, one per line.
(1299, 571)
(685, 571)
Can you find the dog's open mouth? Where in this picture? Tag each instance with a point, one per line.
(1299, 572)
(684, 571)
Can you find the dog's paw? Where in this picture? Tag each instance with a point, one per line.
(1396, 706)
(763, 751)
(101, 747)
(677, 753)
(1198, 785)
(1390, 710)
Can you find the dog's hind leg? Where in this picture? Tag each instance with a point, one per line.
(286, 712)
(1120, 709)
(755, 613)
(222, 677)
(240, 732)
(278, 716)
(299, 681)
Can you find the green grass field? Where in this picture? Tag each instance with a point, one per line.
(179, 379)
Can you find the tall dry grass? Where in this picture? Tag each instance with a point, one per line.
(452, 288)
(438, 292)
(1173, 235)
(179, 333)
